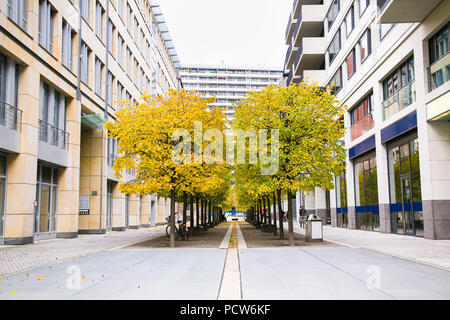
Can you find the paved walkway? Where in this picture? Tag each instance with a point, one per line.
(19, 258)
(111, 268)
(431, 252)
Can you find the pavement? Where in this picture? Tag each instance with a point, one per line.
(430, 252)
(136, 266)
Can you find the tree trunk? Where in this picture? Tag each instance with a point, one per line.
(209, 213)
(274, 214)
(269, 214)
(172, 219)
(280, 214)
(264, 211)
(290, 221)
(183, 225)
(191, 211)
(197, 208)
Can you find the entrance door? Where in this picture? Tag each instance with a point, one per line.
(407, 207)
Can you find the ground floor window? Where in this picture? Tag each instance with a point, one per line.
(109, 203)
(341, 200)
(127, 211)
(46, 199)
(3, 161)
(405, 188)
(366, 193)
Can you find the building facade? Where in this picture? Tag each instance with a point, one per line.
(389, 63)
(63, 66)
(228, 84)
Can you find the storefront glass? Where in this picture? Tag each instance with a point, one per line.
(47, 199)
(405, 189)
(366, 194)
(341, 201)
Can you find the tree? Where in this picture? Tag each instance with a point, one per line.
(306, 118)
(156, 138)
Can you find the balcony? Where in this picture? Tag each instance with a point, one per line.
(290, 28)
(52, 135)
(309, 23)
(310, 55)
(10, 127)
(439, 72)
(400, 100)
(315, 76)
(290, 56)
(362, 126)
(403, 11)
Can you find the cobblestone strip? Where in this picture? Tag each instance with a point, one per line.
(15, 259)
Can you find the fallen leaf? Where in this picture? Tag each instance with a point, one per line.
(13, 292)
(83, 277)
(40, 278)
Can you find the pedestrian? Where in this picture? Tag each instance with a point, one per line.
(302, 212)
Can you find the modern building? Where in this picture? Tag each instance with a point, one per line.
(229, 84)
(389, 63)
(63, 66)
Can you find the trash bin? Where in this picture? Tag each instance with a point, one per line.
(314, 228)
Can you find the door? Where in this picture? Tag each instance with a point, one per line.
(407, 207)
(127, 211)
(109, 205)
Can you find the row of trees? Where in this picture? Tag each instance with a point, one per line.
(303, 120)
(150, 135)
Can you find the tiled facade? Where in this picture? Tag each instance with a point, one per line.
(63, 66)
(390, 65)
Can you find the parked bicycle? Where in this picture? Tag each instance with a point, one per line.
(181, 232)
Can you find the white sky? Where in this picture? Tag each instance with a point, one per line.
(235, 32)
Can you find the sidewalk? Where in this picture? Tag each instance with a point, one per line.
(431, 252)
(20, 258)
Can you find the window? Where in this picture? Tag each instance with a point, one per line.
(385, 28)
(46, 25)
(336, 81)
(67, 45)
(350, 21)
(46, 196)
(365, 45)
(363, 4)
(85, 9)
(84, 60)
(361, 117)
(119, 54)
(52, 116)
(119, 94)
(333, 12)
(136, 28)
(9, 79)
(439, 70)
(399, 89)
(120, 7)
(351, 64)
(3, 161)
(109, 88)
(128, 61)
(99, 14)
(98, 76)
(335, 46)
(18, 12)
(128, 18)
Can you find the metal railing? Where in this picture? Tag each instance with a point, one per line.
(50, 134)
(10, 116)
(439, 72)
(362, 126)
(400, 100)
(299, 55)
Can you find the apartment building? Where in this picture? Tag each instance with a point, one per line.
(229, 84)
(64, 64)
(389, 63)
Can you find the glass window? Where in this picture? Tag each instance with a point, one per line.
(385, 28)
(99, 13)
(365, 45)
(405, 188)
(351, 64)
(333, 12)
(350, 21)
(85, 9)
(341, 200)
(3, 159)
(46, 25)
(363, 4)
(336, 81)
(335, 47)
(18, 12)
(67, 45)
(46, 196)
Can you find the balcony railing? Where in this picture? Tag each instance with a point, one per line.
(297, 26)
(288, 27)
(439, 72)
(299, 55)
(362, 126)
(400, 100)
(10, 116)
(50, 134)
(290, 77)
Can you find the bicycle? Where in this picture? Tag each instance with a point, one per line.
(180, 232)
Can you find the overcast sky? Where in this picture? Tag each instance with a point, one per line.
(235, 32)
